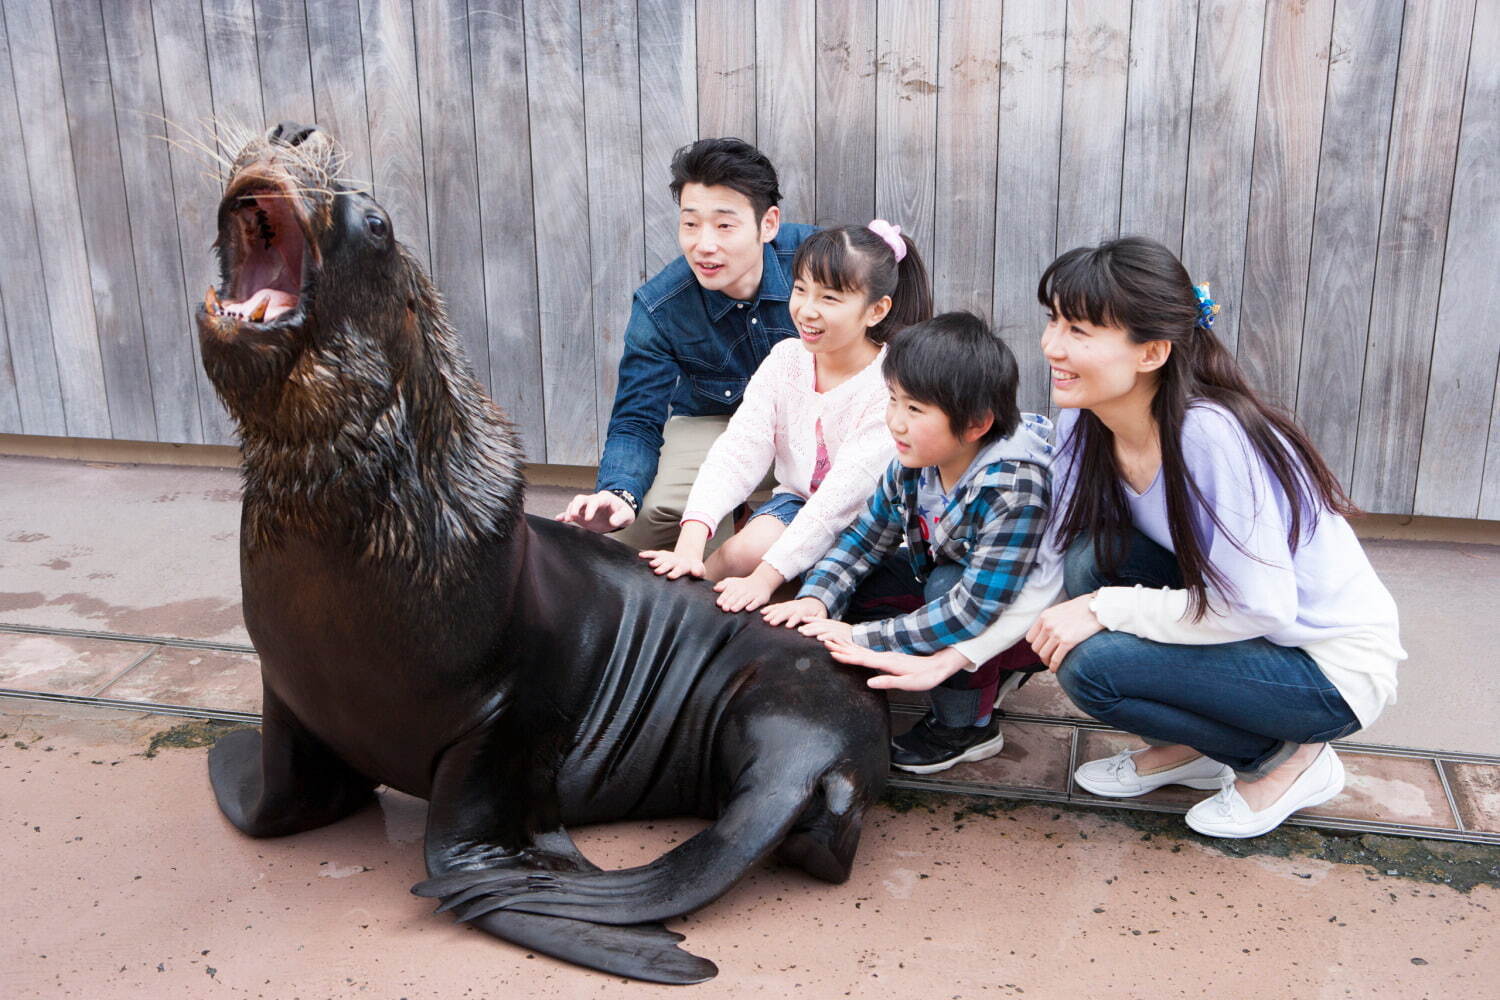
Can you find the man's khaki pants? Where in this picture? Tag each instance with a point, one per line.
(685, 445)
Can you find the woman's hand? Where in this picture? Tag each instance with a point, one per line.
(794, 613)
(901, 671)
(746, 593)
(829, 631)
(672, 564)
(1060, 628)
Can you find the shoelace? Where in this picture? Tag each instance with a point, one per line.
(1118, 761)
(1223, 802)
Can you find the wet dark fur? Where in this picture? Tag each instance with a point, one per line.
(417, 630)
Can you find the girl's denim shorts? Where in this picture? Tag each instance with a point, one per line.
(782, 506)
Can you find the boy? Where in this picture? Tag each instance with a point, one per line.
(697, 332)
(968, 493)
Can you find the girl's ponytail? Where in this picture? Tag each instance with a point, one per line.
(911, 299)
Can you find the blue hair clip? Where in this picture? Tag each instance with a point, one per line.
(1208, 309)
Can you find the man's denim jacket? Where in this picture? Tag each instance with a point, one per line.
(693, 350)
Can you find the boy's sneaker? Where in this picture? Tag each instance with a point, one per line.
(927, 747)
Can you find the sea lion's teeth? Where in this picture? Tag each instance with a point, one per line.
(259, 312)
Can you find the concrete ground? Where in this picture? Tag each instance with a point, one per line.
(124, 880)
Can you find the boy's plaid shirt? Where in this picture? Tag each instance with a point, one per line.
(994, 528)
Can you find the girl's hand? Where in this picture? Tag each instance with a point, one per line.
(829, 630)
(1060, 628)
(746, 593)
(901, 671)
(673, 564)
(794, 613)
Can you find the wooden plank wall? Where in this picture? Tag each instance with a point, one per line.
(1329, 165)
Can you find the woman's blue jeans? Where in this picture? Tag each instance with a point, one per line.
(1247, 704)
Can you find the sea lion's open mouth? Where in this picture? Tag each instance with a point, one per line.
(267, 255)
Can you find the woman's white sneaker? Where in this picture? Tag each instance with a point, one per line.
(1228, 815)
(1116, 778)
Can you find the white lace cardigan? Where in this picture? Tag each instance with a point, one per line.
(777, 422)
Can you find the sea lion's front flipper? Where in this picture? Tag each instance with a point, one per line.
(282, 779)
(493, 814)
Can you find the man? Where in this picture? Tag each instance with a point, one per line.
(697, 332)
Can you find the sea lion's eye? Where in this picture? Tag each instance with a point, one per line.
(377, 226)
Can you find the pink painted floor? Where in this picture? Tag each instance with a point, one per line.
(123, 881)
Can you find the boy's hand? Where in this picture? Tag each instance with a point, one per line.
(901, 671)
(794, 613)
(746, 593)
(598, 512)
(829, 630)
(1060, 628)
(672, 564)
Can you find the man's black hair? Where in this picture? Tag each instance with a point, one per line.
(732, 163)
(956, 363)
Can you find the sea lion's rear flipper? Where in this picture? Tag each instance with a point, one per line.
(493, 814)
(641, 951)
(282, 779)
(769, 802)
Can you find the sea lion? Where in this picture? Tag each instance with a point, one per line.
(417, 630)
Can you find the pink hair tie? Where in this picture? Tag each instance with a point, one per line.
(892, 237)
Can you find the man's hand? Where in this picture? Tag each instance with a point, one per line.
(829, 631)
(794, 613)
(746, 593)
(901, 671)
(1060, 628)
(599, 512)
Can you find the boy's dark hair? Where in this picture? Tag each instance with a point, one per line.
(956, 363)
(730, 162)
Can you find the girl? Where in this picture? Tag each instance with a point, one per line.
(1219, 604)
(815, 409)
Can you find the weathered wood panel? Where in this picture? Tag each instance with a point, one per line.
(138, 114)
(394, 109)
(669, 114)
(962, 259)
(1346, 224)
(335, 51)
(451, 169)
(560, 188)
(282, 45)
(23, 285)
(1226, 79)
(1158, 105)
(197, 156)
(786, 82)
(726, 68)
(611, 88)
(1294, 78)
(1095, 71)
(10, 405)
(497, 40)
(906, 118)
(1409, 262)
(1466, 352)
(1345, 219)
(83, 59)
(846, 111)
(59, 226)
(1031, 86)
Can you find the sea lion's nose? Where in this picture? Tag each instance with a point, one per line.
(292, 133)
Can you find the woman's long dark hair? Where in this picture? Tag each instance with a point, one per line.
(854, 259)
(1138, 285)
